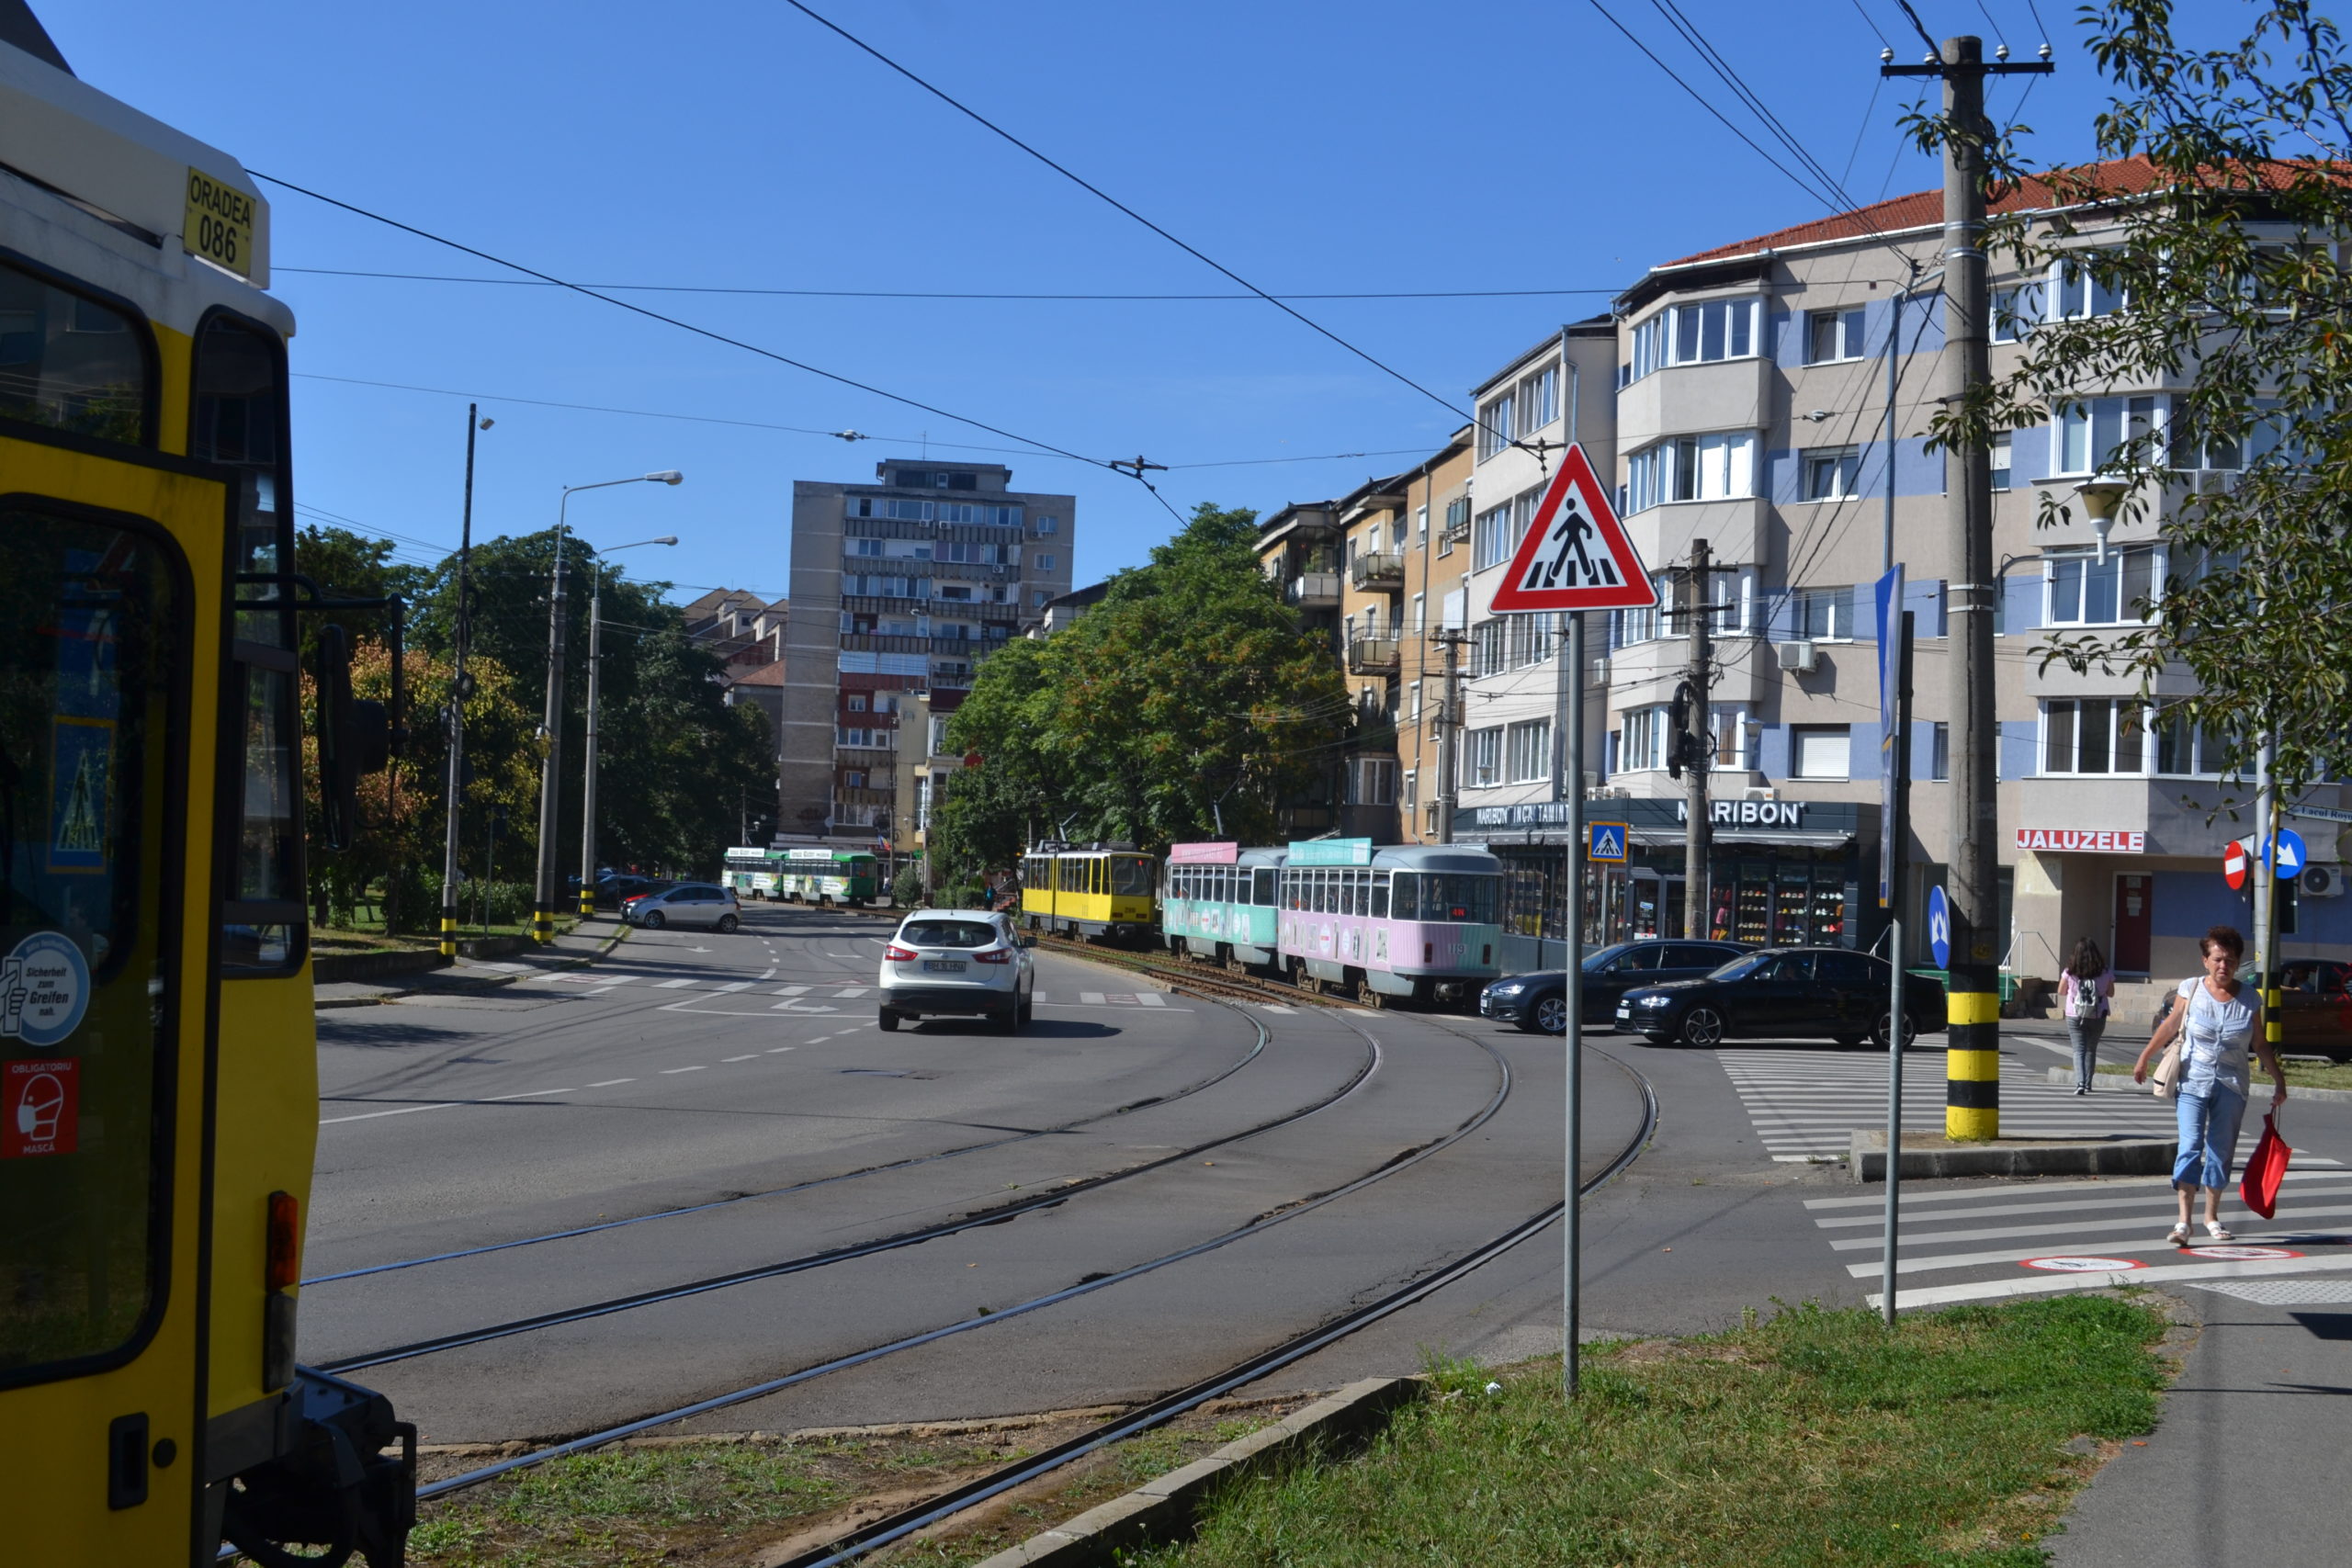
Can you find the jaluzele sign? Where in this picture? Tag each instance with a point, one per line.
(2087, 841)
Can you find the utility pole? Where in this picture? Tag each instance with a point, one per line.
(1698, 756)
(551, 760)
(1972, 1083)
(456, 713)
(1449, 726)
(588, 761)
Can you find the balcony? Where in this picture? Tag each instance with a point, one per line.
(1315, 591)
(1378, 572)
(1372, 656)
(881, 642)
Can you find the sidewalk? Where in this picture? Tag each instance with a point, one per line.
(2246, 1465)
(582, 945)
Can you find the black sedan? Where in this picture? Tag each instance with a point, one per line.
(1538, 1002)
(1783, 993)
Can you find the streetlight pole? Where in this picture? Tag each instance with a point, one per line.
(456, 713)
(595, 664)
(551, 723)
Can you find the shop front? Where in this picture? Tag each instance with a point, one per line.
(1781, 873)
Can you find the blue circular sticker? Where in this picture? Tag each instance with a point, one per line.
(44, 990)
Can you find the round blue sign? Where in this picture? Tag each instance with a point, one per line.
(1939, 927)
(44, 989)
(2292, 855)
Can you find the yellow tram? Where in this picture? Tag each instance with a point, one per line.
(158, 1078)
(1102, 891)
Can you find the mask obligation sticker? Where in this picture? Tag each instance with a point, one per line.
(44, 990)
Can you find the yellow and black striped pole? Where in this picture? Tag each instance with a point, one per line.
(587, 901)
(542, 924)
(1973, 1052)
(449, 930)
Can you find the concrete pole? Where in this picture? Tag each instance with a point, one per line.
(1698, 831)
(1449, 726)
(458, 706)
(1973, 1086)
(551, 763)
(588, 758)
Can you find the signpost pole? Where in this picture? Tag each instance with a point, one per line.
(1894, 831)
(1572, 994)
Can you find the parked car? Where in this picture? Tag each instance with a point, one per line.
(1538, 1002)
(616, 888)
(687, 904)
(1783, 993)
(958, 964)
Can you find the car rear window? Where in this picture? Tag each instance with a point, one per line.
(948, 934)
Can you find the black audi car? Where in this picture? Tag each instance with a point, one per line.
(1783, 993)
(1537, 1001)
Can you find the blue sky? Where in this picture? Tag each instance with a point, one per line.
(1310, 146)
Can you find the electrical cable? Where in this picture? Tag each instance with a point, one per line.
(1197, 254)
(928, 294)
(714, 336)
(2000, 34)
(1869, 22)
(1730, 77)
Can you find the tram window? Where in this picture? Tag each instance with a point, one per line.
(92, 630)
(1456, 897)
(1263, 885)
(71, 364)
(1130, 874)
(237, 418)
(258, 925)
(1405, 888)
(1380, 895)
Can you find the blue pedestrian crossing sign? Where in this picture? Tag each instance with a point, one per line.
(1939, 927)
(1606, 841)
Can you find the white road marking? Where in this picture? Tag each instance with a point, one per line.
(1151, 998)
(779, 1050)
(608, 979)
(1994, 1211)
(1090, 999)
(848, 991)
(753, 1058)
(672, 985)
(2144, 1220)
(401, 1111)
(798, 1007)
(1274, 1007)
(2042, 1284)
(768, 973)
(734, 986)
(667, 1071)
(790, 990)
(530, 1093)
(611, 1083)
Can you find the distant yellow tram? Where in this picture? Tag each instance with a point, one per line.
(1105, 892)
(158, 1066)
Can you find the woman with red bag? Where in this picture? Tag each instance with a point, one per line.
(2212, 1028)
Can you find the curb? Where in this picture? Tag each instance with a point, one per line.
(1166, 1509)
(488, 983)
(2117, 1157)
(2294, 1091)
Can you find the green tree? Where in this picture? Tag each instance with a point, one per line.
(2214, 232)
(1190, 696)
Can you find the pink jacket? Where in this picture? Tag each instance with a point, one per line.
(2101, 998)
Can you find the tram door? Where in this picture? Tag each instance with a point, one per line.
(108, 742)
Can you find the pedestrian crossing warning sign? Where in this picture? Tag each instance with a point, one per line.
(1575, 554)
(1606, 841)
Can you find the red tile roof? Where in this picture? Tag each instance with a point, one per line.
(765, 675)
(1924, 209)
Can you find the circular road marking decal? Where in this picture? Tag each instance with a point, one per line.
(2084, 1265)
(2242, 1254)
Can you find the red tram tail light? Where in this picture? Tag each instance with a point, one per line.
(282, 1257)
(1428, 952)
(894, 954)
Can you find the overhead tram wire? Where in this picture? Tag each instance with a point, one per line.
(1871, 23)
(1276, 301)
(1731, 78)
(706, 331)
(929, 294)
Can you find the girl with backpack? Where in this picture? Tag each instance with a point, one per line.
(2087, 990)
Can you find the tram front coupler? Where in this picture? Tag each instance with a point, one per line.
(335, 1486)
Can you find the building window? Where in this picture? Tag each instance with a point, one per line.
(2088, 433)
(1830, 473)
(2185, 749)
(1046, 562)
(1489, 650)
(1820, 750)
(1825, 614)
(2087, 592)
(2093, 735)
(1832, 336)
(855, 779)
(1939, 753)
(1420, 613)
(1413, 702)
(1528, 751)
(2002, 459)
(1645, 740)
(1409, 793)
(1485, 758)
(1038, 596)
(1371, 781)
(1491, 540)
(1538, 400)
(2080, 295)
(1493, 426)
(1732, 739)
(2016, 311)
(1721, 329)
(857, 704)
(1048, 523)
(1693, 467)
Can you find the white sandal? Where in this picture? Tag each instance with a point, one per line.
(2178, 1236)
(2215, 1229)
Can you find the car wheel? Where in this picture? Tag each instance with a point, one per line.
(1551, 1015)
(727, 924)
(1028, 1006)
(1847, 1042)
(889, 1022)
(1009, 1020)
(1880, 1035)
(650, 919)
(1703, 1026)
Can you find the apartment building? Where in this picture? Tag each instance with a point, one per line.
(900, 587)
(1752, 411)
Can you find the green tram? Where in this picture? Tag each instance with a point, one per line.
(807, 875)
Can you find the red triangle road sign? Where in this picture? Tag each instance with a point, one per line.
(1576, 555)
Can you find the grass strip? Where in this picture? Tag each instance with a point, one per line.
(1816, 1436)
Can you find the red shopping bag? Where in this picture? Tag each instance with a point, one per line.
(2265, 1170)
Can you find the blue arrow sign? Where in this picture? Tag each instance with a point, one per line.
(1605, 841)
(2292, 853)
(1939, 928)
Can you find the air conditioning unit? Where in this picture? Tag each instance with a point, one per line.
(2322, 882)
(1765, 793)
(1798, 658)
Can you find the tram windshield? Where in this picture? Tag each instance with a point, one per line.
(1130, 874)
(1447, 896)
(91, 630)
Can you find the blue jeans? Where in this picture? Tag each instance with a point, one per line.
(2208, 1119)
(2084, 1032)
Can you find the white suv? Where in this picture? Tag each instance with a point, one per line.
(960, 963)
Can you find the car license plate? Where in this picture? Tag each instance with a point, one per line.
(942, 966)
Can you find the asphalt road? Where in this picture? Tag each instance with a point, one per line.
(742, 1078)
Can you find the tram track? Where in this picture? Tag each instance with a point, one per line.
(897, 1526)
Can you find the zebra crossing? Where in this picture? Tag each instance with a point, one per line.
(2033, 1238)
(1806, 1105)
(593, 984)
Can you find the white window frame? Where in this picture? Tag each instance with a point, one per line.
(1712, 465)
(1844, 470)
(1485, 757)
(1491, 539)
(1527, 751)
(1645, 732)
(1799, 733)
(2122, 565)
(1494, 427)
(1849, 333)
(2065, 715)
(1837, 612)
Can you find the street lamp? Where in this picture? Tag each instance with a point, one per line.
(596, 663)
(551, 724)
(2101, 494)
